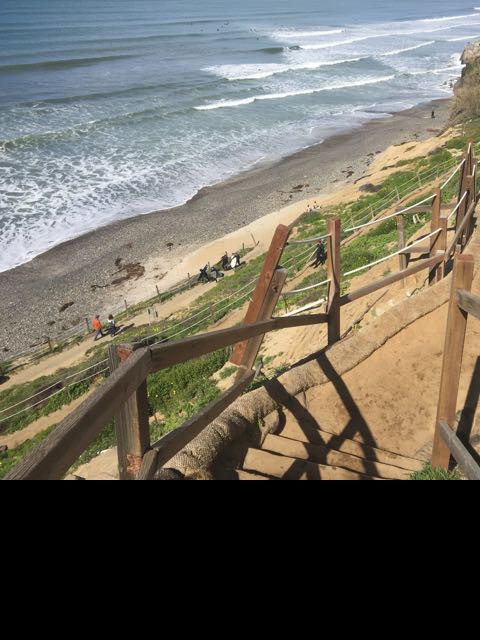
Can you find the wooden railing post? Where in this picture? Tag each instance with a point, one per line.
(132, 426)
(271, 299)
(452, 359)
(464, 174)
(264, 283)
(435, 225)
(442, 246)
(333, 269)
(470, 187)
(402, 243)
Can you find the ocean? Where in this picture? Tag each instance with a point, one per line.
(115, 108)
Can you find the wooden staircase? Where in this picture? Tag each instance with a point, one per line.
(319, 455)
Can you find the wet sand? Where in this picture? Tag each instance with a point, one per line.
(84, 271)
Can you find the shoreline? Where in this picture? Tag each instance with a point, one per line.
(33, 293)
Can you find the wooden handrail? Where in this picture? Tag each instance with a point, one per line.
(264, 283)
(60, 450)
(464, 459)
(169, 354)
(461, 228)
(469, 303)
(452, 359)
(388, 280)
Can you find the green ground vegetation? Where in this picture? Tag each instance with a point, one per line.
(179, 392)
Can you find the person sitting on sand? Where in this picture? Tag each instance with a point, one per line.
(97, 327)
(112, 327)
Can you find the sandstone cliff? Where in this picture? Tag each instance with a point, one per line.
(467, 89)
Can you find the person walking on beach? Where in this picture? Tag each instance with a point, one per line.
(433, 114)
(97, 327)
(112, 327)
(320, 255)
(236, 261)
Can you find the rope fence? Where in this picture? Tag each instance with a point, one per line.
(309, 288)
(392, 255)
(73, 384)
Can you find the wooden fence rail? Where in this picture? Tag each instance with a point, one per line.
(462, 302)
(123, 397)
(465, 460)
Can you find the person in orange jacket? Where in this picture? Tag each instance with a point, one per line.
(97, 327)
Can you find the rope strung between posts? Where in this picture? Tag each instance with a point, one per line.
(397, 253)
(393, 215)
(35, 395)
(459, 168)
(394, 195)
(310, 240)
(98, 373)
(458, 205)
(313, 286)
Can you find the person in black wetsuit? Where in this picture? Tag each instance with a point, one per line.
(225, 261)
(320, 255)
(203, 277)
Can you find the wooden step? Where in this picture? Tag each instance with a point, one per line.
(294, 431)
(285, 468)
(322, 455)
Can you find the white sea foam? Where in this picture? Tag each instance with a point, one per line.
(465, 38)
(307, 34)
(257, 72)
(397, 52)
(338, 43)
(222, 104)
(372, 36)
(448, 18)
(454, 69)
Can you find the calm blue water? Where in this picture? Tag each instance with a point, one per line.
(110, 108)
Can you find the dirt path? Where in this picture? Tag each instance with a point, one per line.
(14, 440)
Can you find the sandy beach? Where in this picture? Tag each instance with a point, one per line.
(90, 274)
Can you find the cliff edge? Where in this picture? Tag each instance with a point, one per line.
(467, 90)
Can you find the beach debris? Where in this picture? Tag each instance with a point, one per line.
(131, 270)
(300, 187)
(169, 246)
(64, 307)
(118, 262)
(51, 323)
(370, 188)
(362, 178)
